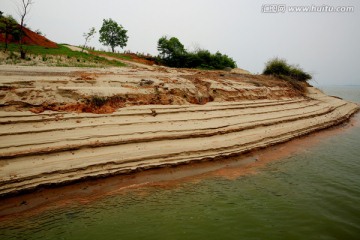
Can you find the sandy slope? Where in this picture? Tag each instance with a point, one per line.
(240, 114)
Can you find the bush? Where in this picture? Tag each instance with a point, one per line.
(202, 59)
(98, 101)
(280, 68)
(173, 54)
(277, 67)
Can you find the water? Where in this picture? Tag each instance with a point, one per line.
(313, 194)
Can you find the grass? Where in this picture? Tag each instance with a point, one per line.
(280, 68)
(292, 74)
(111, 54)
(74, 58)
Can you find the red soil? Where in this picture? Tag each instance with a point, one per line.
(31, 38)
(138, 59)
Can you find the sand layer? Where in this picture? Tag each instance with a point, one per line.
(184, 116)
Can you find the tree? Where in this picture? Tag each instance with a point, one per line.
(173, 54)
(9, 26)
(169, 48)
(113, 34)
(88, 36)
(23, 10)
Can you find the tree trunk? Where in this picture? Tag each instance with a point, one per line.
(113, 49)
(6, 41)
(83, 48)
(22, 52)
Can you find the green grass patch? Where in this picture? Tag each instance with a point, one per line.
(111, 54)
(79, 58)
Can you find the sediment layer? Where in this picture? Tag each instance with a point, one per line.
(60, 147)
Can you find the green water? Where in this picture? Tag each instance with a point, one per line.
(314, 194)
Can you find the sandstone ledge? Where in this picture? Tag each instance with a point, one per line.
(61, 147)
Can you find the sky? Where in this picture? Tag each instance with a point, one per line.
(325, 44)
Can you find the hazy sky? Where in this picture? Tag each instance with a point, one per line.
(325, 44)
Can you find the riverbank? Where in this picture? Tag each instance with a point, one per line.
(204, 116)
(86, 192)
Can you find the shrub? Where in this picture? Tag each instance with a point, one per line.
(173, 54)
(98, 101)
(277, 67)
(280, 68)
(298, 74)
(201, 59)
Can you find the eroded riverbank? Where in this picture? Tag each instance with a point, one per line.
(50, 148)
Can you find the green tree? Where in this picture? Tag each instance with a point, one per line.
(88, 36)
(9, 26)
(173, 54)
(170, 48)
(113, 34)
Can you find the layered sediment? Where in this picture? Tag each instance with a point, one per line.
(183, 116)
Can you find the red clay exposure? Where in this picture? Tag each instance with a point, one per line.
(32, 38)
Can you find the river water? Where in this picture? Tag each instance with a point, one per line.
(311, 194)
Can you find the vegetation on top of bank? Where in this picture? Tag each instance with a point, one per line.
(281, 69)
(172, 53)
(293, 74)
(61, 56)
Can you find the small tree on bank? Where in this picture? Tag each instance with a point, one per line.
(170, 48)
(112, 34)
(88, 37)
(9, 26)
(172, 52)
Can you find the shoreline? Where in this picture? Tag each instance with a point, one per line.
(85, 192)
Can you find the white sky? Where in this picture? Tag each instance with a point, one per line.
(325, 44)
